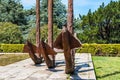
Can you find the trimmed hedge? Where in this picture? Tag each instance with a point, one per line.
(94, 49)
(100, 49)
(10, 48)
(0, 48)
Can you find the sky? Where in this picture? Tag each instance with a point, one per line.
(80, 6)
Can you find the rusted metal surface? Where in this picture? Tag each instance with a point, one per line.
(45, 50)
(50, 23)
(67, 51)
(37, 23)
(38, 26)
(50, 26)
(42, 49)
(70, 16)
(70, 25)
(31, 49)
(48, 52)
(67, 42)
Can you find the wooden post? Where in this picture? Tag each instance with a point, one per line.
(38, 27)
(70, 26)
(70, 16)
(37, 23)
(50, 27)
(50, 23)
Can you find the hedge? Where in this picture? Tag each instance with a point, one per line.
(10, 48)
(0, 48)
(94, 49)
(100, 49)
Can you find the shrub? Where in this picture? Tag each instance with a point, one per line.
(11, 48)
(43, 34)
(10, 33)
(0, 48)
(102, 49)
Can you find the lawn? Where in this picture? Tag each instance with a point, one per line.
(6, 59)
(107, 68)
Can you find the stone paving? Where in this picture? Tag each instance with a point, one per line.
(26, 70)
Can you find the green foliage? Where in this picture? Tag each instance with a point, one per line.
(59, 13)
(44, 33)
(104, 49)
(101, 26)
(12, 11)
(0, 48)
(10, 33)
(11, 48)
(59, 18)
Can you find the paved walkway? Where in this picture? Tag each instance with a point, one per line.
(26, 70)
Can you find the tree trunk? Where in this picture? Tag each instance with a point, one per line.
(38, 27)
(70, 16)
(50, 23)
(37, 23)
(70, 26)
(50, 26)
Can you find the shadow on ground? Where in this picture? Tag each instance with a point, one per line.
(107, 75)
(76, 75)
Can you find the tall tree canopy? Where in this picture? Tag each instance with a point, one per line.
(101, 26)
(59, 13)
(12, 11)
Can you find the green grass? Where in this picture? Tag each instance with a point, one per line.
(107, 68)
(6, 59)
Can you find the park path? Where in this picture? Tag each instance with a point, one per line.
(26, 70)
